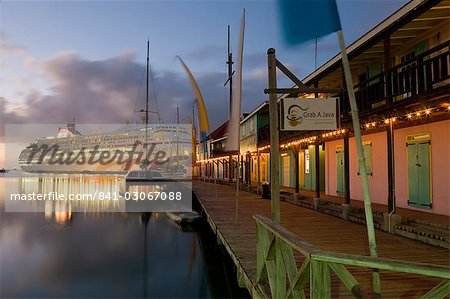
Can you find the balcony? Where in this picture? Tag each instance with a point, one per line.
(421, 75)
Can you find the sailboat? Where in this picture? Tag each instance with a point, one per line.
(144, 173)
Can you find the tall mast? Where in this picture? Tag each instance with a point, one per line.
(178, 125)
(146, 109)
(230, 71)
(230, 81)
(146, 96)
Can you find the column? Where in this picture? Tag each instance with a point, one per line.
(346, 169)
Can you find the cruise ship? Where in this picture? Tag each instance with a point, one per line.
(162, 147)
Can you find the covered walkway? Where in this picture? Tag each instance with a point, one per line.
(231, 217)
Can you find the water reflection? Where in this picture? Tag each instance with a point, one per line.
(94, 193)
(58, 253)
(63, 186)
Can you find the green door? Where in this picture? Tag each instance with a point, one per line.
(340, 172)
(419, 174)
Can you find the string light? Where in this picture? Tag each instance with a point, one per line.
(369, 125)
(387, 120)
(334, 133)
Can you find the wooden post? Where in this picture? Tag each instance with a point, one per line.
(346, 169)
(223, 168)
(297, 169)
(317, 166)
(274, 139)
(387, 68)
(317, 153)
(280, 284)
(361, 162)
(320, 280)
(248, 168)
(230, 168)
(391, 167)
(259, 168)
(238, 172)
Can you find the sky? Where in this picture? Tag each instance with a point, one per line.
(61, 60)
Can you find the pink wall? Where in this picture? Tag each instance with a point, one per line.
(440, 165)
(440, 169)
(377, 182)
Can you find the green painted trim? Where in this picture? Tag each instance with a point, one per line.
(383, 264)
(347, 279)
(320, 280)
(440, 291)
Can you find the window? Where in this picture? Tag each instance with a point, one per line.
(252, 126)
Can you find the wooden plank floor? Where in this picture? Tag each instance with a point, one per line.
(235, 223)
(441, 220)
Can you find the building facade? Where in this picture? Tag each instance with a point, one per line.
(400, 70)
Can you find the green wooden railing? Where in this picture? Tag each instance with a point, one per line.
(279, 276)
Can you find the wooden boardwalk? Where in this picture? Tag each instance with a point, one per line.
(232, 220)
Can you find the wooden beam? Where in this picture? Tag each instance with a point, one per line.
(440, 291)
(291, 76)
(292, 239)
(347, 279)
(382, 264)
(297, 91)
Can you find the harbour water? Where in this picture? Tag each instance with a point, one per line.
(62, 254)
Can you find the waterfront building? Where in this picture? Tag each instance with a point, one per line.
(400, 70)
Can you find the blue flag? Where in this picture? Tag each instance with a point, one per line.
(304, 20)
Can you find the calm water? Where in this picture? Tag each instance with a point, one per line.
(59, 254)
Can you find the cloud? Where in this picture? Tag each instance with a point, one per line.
(10, 49)
(111, 90)
(207, 53)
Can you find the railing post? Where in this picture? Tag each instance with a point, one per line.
(320, 280)
(280, 291)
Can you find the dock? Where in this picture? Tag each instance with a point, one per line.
(408, 268)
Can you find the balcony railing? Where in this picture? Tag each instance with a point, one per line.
(418, 75)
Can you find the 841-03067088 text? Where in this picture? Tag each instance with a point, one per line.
(98, 195)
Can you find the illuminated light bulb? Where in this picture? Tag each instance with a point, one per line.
(418, 113)
(427, 112)
(386, 121)
(374, 124)
(367, 126)
(394, 119)
(409, 116)
(448, 108)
